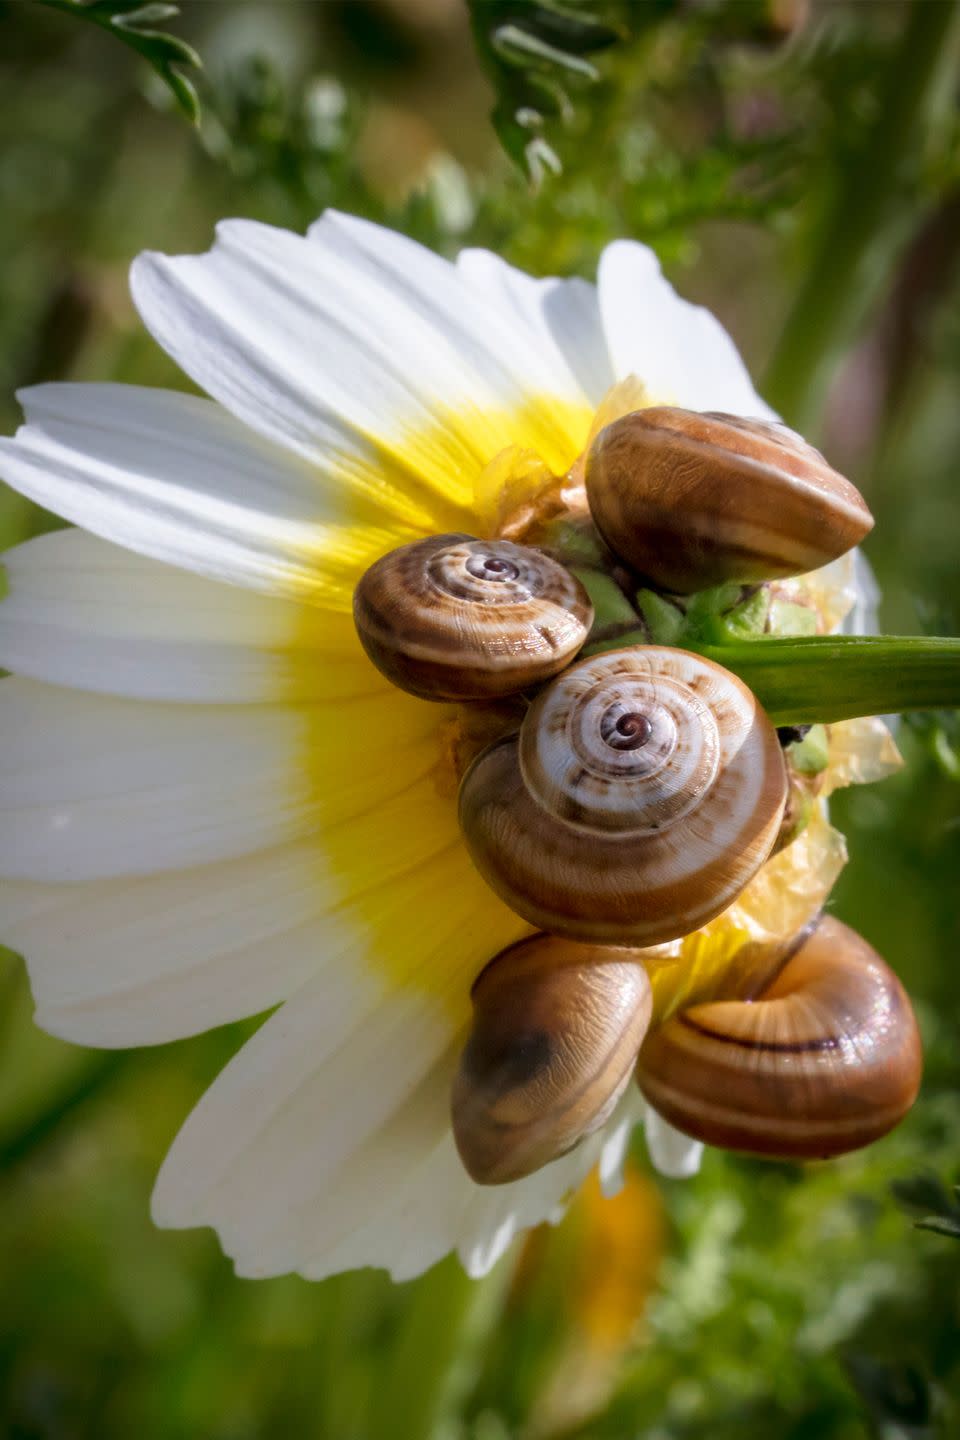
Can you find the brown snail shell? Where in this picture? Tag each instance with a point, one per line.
(455, 618)
(691, 500)
(825, 1060)
(645, 789)
(555, 1035)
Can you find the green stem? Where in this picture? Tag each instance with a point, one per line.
(43, 1126)
(819, 679)
(831, 298)
(434, 1357)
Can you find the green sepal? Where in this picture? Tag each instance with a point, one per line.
(811, 755)
(610, 606)
(751, 615)
(786, 617)
(664, 620)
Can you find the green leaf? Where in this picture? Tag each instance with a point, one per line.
(131, 21)
(926, 1196)
(941, 1224)
(532, 50)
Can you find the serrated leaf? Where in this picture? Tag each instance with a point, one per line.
(531, 50)
(519, 47)
(921, 1193)
(152, 14)
(941, 1225)
(126, 19)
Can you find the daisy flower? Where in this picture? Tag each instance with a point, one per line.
(215, 806)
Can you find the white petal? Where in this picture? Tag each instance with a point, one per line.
(142, 961)
(177, 478)
(680, 351)
(673, 1154)
(630, 1112)
(362, 1165)
(355, 337)
(404, 1200)
(864, 617)
(271, 1147)
(85, 613)
(92, 787)
(564, 315)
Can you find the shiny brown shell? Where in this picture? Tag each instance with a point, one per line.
(825, 1060)
(691, 499)
(455, 618)
(645, 789)
(556, 1030)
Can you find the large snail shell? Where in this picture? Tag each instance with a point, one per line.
(644, 791)
(691, 500)
(454, 618)
(827, 1058)
(555, 1035)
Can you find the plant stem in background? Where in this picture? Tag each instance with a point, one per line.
(43, 1125)
(433, 1356)
(836, 288)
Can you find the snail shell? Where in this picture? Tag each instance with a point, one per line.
(692, 500)
(825, 1060)
(454, 618)
(555, 1035)
(645, 789)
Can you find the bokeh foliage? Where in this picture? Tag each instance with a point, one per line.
(750, 141)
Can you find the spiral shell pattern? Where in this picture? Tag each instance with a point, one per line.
(644, 791)
(825, 1060)
(455, 618)
(694, 499)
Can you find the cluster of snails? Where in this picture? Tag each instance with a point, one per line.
(631, 798)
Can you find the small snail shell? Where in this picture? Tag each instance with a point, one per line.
(645, 789)
(692, 500)
(825, 1060)
(555, 1035)
(453, 618)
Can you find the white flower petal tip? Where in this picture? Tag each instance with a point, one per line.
(680, 351)
(673, 1154)
(629, 1113)
(348, 342)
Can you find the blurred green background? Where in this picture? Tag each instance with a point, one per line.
(796, 166)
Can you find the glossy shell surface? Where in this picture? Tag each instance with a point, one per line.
(691, 499)
(455, 618)
(825, 1060)
(556, 1030)
(645, 789)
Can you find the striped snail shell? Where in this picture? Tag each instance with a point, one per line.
(645, 789)
(556, 1030)
(454, 618)
(826, 1059)
(691, 500)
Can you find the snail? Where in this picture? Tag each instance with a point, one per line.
(554, 1041)
(691, 500)
(454, 618)
(826, 1059)
(644, 790)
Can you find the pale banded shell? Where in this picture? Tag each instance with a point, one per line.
(645, 789)
(454, 618)
(690, 500)
(556, 1030)
(825, 1060)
